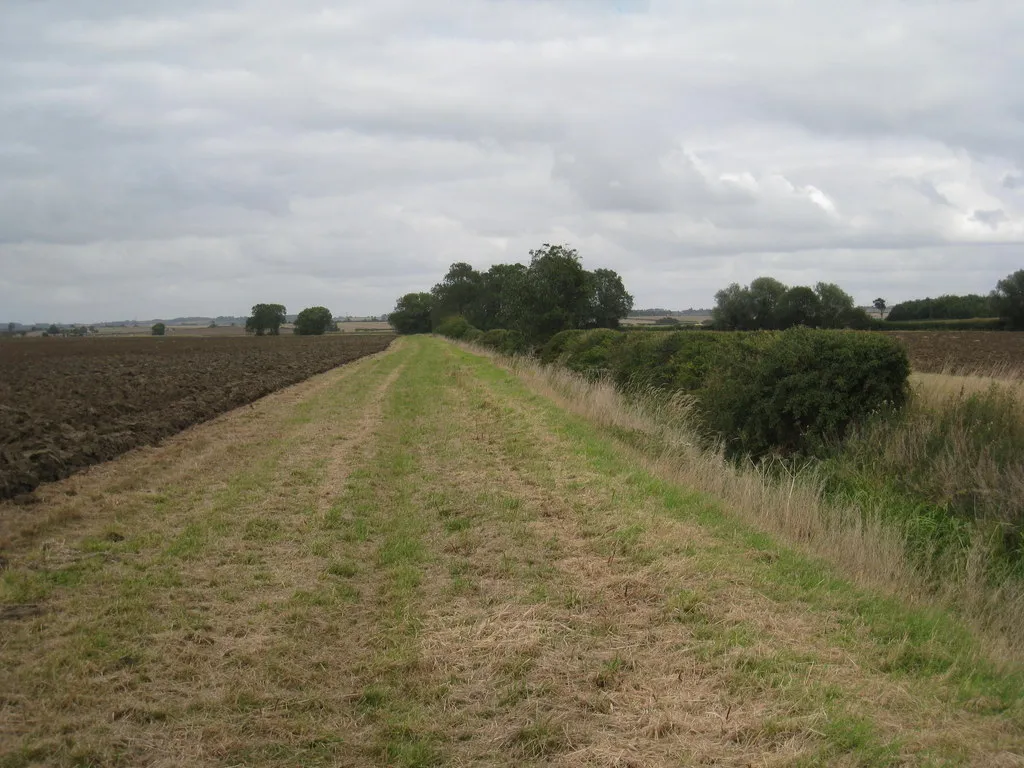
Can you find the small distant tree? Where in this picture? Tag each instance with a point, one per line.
(11, 327)
(53, 330)
(159, 329)
(879, 304)
(1008, 300)
(314, 321)
(266, 318)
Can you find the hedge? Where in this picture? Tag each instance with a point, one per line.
(789, 392)
(970, 324)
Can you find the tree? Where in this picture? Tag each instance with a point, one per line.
(53, 330)
(412, 313)
(609, 301)
(879, 304)
(734, 309)
(835, 306)
(11, 327)
(159, 329)
(765, 293)
(800, 306)
(266, 318)
(314, 321)
(459, 293)
(557, 293)
(1008, 300)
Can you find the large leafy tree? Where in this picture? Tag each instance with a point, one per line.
(734, 309)
(557, 293)
(458, 294)
(412, 313)
(765, 293)
(266, 318)
(314, 321)
(1008, 300)
(800, 306)
(609, 300)
(835, 306)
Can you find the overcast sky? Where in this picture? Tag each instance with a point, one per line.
(174, 158)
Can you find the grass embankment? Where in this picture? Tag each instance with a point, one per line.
(425, 559)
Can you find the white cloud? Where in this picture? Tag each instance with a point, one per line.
(173, 159)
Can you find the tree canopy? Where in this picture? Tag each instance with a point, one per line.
(314, 321)
(768, 304)
(947, 307)
(266, 318)
(552, 293)
(1008, 300)
(412, 313)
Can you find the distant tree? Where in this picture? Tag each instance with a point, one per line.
(800, 306)
(53, 330)
(1008, 300)
(835, 306)
(734, 309)
(412, 313)
(879, 304)
(557, 295)
(159, 329)
(609, 300)
(314, 321)
(266, 318)
(764, 296)
(213, 324)
(11, 327)
(667, 321)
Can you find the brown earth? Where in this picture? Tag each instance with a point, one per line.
(66, 404)
(963, 351)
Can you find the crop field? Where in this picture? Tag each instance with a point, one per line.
(431, 557)
(66, 404)
(978, 351)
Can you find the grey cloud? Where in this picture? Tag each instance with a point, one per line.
(179, 158)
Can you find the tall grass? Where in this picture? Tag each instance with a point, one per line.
(880, 534)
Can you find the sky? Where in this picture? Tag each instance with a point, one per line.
(162, 159)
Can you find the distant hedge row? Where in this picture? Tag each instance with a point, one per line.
(498, 339)
(969, 324)
(790, 392)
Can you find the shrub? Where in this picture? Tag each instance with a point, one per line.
(159, 329)
(552, 351)
(506, 342)
(454, 327)
(472, 335)
(678, 361)
(589, 352)
(794, 391)
(314, 321)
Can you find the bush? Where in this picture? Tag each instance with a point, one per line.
(159, 329)
(506, 342)
(314, 321)
(677, 361)
(552, 351)
(455, 327)
(472, 335)
(970, 324)
(590, 352)
(795, 391)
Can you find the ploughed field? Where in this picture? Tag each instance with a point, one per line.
(973, 351)
(68, 404)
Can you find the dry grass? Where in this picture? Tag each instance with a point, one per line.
(419, 561)
(868, 548)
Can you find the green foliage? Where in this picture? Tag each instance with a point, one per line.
(1008, 300)
(553, 293)
(768, 305)
(553, 351)
(314, 321)
(266, 318)
(455, 327)
(947, 307)
(53, 330)
(970, 324)
(505, 341)
(159, 329)
(791, 392)
(412, 314)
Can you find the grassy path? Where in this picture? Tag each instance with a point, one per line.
(414, 560)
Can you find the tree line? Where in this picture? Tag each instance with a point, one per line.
(267, 319)
(552, 293)
(768, 304)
